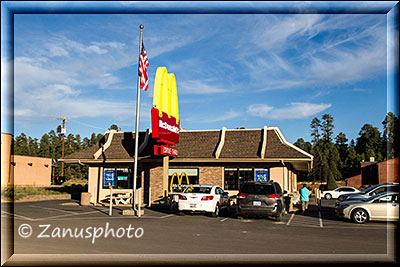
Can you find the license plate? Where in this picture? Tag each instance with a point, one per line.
(193, 205)
(256, 203)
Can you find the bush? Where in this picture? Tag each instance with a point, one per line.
(75, 181)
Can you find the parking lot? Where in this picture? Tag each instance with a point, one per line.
(65, 227)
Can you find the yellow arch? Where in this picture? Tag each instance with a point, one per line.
(179, 179)
(165, 97)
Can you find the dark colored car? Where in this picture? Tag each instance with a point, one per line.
(260, 199)
(370, 191)
(59, 180)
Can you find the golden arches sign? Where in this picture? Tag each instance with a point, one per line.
(165, 113)
(165, 97)
(179, 179)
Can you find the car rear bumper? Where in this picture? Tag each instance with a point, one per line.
(271, 211)
(196, 206)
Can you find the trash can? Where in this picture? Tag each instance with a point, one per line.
(85, 199)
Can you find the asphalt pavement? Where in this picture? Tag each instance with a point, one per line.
(63, 227)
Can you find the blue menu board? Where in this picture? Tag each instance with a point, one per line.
(109, 177)
(261, 175)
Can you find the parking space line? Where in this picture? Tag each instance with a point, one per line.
(20, 216)
(320, 219)
(166, 216)
(224, 219)
(291, 217)
(65, 215)
(46, 208)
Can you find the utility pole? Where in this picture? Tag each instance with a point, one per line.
(63, 131)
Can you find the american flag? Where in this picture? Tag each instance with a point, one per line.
(143, 64)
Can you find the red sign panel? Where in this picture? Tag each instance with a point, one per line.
(165, 150)
(165, 128)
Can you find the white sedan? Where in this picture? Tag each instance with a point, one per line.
(203, 198)
(335, 193)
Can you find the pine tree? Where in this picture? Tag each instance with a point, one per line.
(21, 145)
(44, 146)
(369, 143)
(315, 128)
(390, 136)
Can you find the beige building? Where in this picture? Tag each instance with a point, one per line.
(22, 170)
(6, 141)
(221, 157)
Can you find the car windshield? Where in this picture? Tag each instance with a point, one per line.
(376, 196)
(369, 189)
(198, 190)
(257, 189)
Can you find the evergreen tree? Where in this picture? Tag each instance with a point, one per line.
(327, 127)
(114, 127)
(33, 147)
(315, 128)
(86, 143)
(390, 136)
(343, 149)
(21, 145)
(369, 143)
(306, 146)
(45, 146)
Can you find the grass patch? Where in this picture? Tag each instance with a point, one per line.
(75, 182)
(19, 192)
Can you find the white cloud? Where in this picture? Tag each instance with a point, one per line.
(200, 87)
(312, 50)
(292, 111)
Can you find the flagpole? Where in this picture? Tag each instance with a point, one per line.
(137, 126)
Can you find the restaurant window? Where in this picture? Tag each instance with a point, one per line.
(235, 177)
(231, 179)
(121, 178)
(180, 178)
(245, 175)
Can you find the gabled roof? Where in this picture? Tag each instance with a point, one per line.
(203, 145)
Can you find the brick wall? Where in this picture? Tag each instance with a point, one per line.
(156, 178)
(354, 181)
(389, 171)
(211, 175)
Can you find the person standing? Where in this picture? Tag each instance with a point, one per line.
(304, 198)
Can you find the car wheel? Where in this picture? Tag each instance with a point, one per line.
(216, 211)
(328, 196)
(359, 216)
(278, 218)
(181, 213)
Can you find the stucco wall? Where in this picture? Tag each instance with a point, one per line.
(6, 140)
(276, 174)
(31, 170)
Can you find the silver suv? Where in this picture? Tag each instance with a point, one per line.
(370, 191)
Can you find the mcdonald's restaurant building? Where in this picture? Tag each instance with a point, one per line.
(221, 157)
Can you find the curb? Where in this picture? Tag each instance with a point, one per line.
(39, 198)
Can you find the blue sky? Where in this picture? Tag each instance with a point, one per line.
(232, 70)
